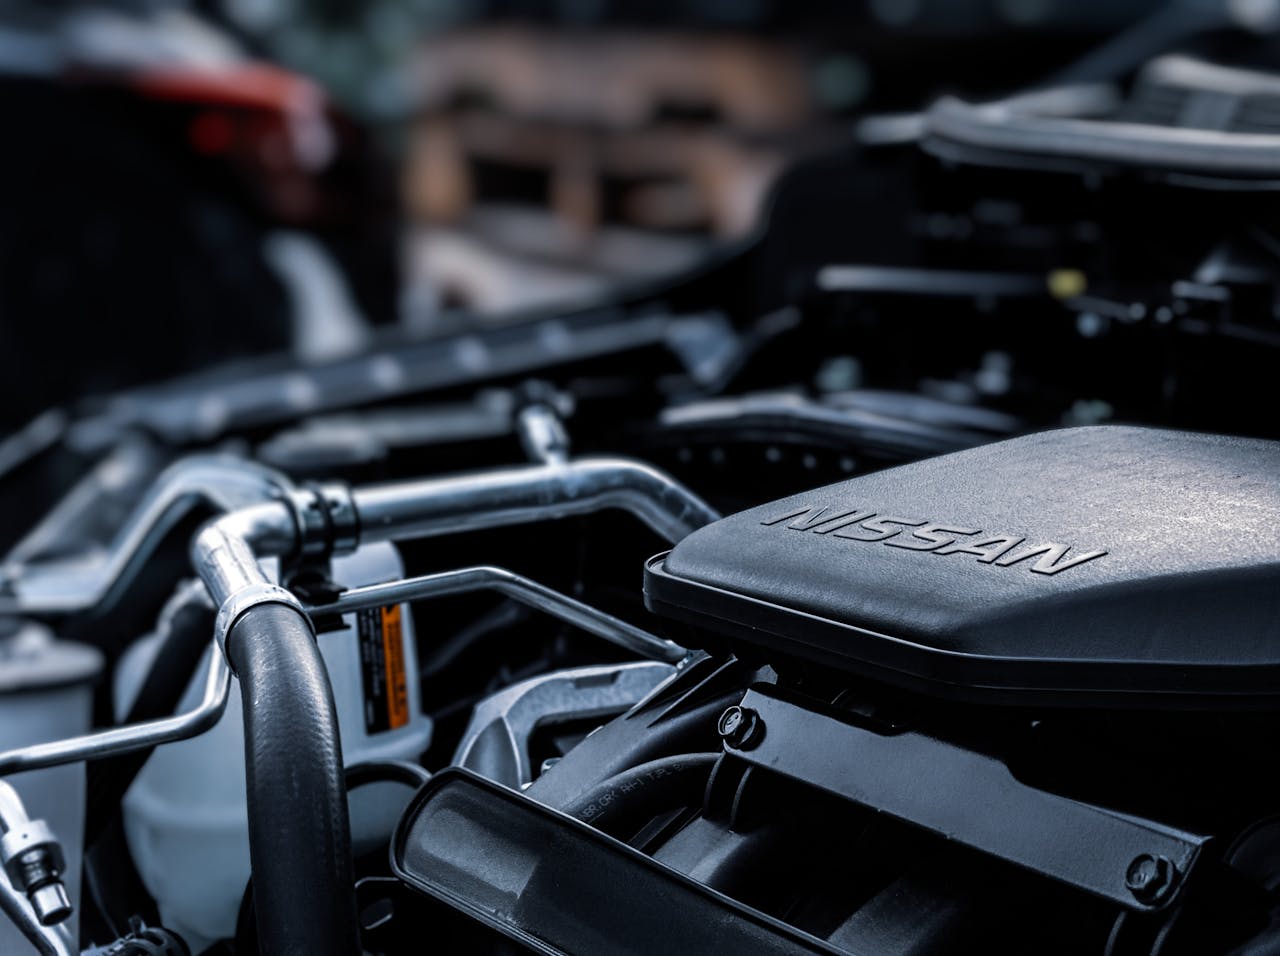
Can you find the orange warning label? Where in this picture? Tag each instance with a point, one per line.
(397, 683)
(382, 667)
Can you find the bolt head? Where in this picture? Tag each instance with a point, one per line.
(730, 721)
(1151, 879)
(740, 728)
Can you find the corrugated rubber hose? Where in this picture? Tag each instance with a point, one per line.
(299, 832)
(635, 795)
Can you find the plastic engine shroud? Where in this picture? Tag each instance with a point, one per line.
(1101, 565)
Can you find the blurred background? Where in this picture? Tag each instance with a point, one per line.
(187, 183)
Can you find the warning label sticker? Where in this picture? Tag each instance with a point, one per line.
(386, 687)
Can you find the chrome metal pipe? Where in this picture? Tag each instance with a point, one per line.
(226, 554)
(226, 551)
(516, 587)
(221, 482)
(436, 506)
(122, 740)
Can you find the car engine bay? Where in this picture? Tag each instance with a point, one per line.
(904, 579)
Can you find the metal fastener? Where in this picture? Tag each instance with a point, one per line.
(1151, 879)
(740, 728)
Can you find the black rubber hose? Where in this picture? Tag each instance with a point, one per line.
(359, 775)
(190, 634)
(299, 831)
(643, 791)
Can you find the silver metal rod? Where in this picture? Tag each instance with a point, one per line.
(516, 587)
(419, 509)
(122, 740)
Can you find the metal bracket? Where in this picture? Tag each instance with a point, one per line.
(971, 798)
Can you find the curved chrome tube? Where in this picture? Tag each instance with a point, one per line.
(227, 550)
(530, 593)
(435, 506)
(221, 482)
(226, 553)
(121, 740)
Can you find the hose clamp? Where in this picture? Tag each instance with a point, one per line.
(326, 518)
(247, 597)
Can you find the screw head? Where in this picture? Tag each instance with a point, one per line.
(740, 727)
(1151, 879)
(730, 721)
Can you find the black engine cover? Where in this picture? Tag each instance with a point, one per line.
(1095, 565)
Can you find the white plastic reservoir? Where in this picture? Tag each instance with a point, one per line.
(46, 694)
(185, 815)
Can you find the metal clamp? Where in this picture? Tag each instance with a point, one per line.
(326, 519)
(241, 600)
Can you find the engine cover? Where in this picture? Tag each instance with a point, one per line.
(1102, 565)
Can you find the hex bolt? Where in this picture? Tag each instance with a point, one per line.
(1151, 879)
(740, 727)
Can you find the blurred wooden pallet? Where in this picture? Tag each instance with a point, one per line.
(622, 154)
(660, 131)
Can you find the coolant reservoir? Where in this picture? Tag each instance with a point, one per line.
(46, 693)
(185, 815)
